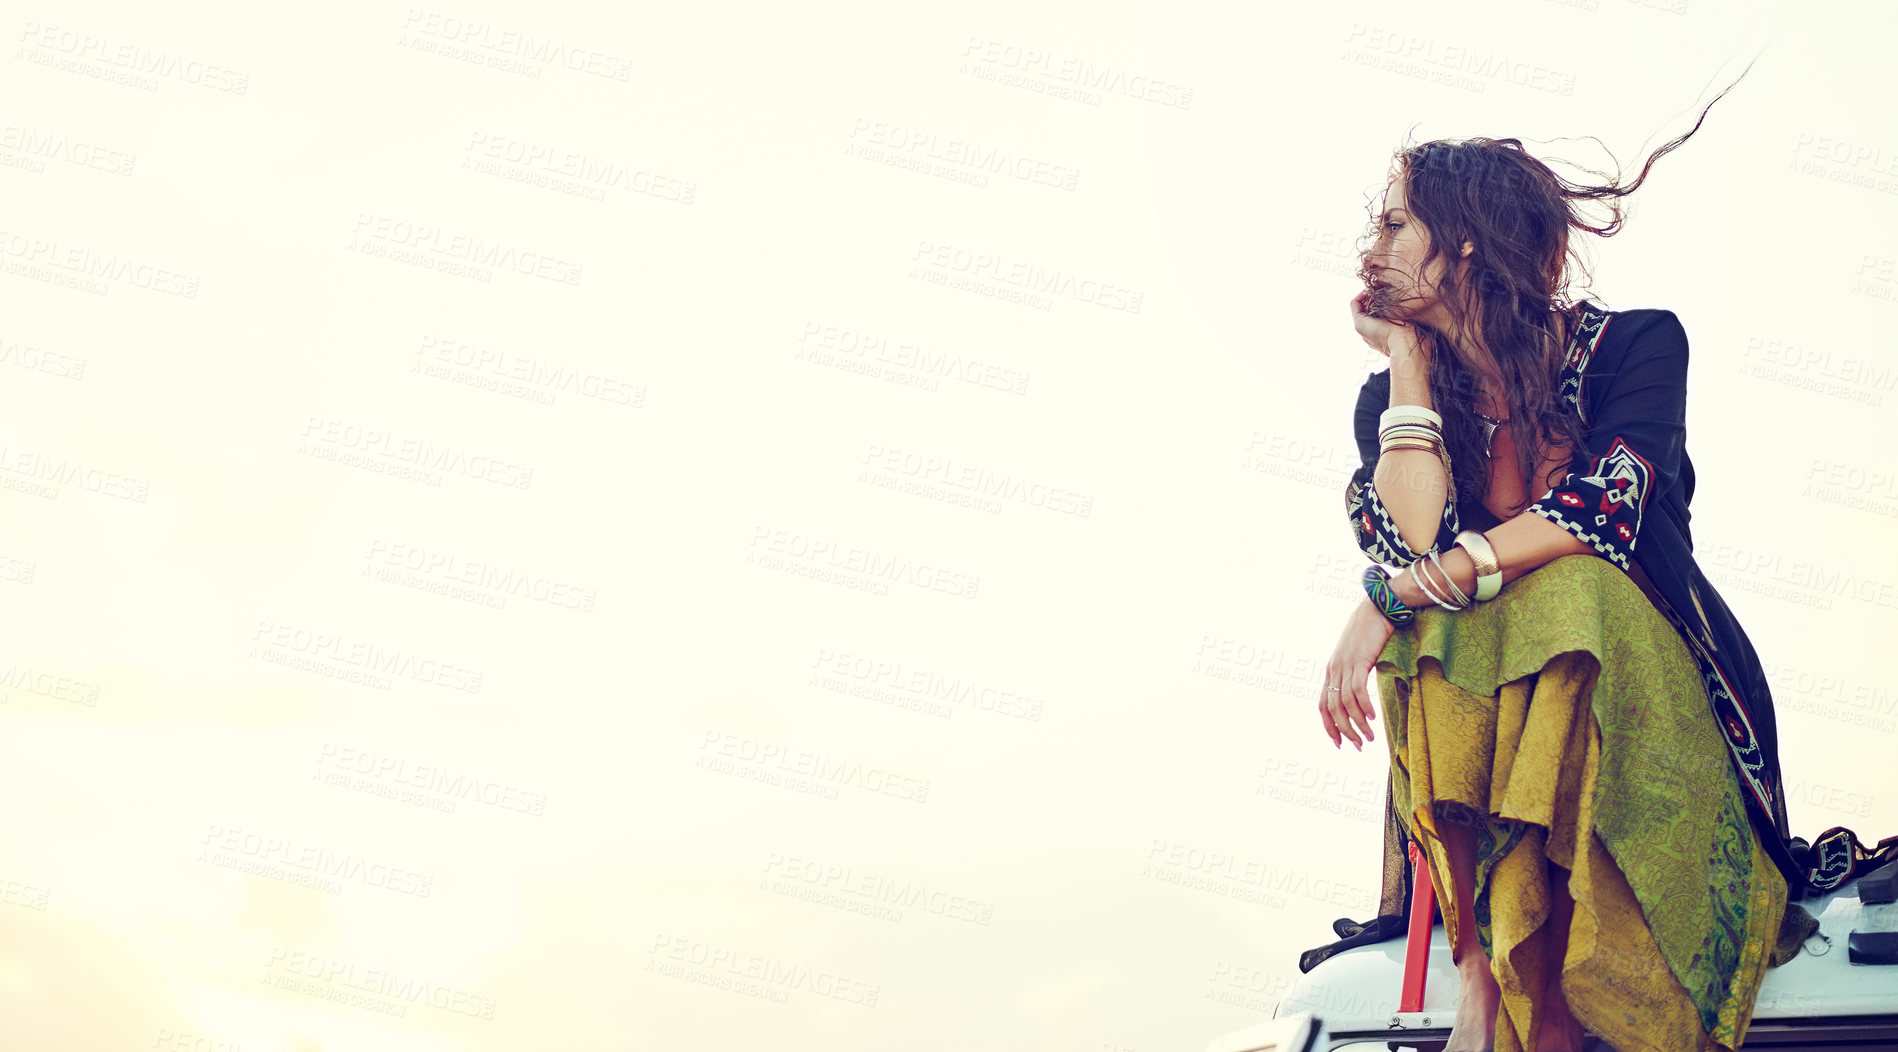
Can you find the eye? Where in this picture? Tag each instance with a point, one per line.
(1393, 227)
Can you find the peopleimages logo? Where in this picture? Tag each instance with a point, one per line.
(43, 42)
(251, 852)
(1037, 64)
(986, 270)
(548, 165)
(853, 565)
(499, 42)
(428, 243)
(433, 778)
(540, 376)
(899, 140)
(499, 582)
(86, 263)
(343, 976)
(279, 643)
(338, 437)
(35, 148)
(889, 466)
(722, 966)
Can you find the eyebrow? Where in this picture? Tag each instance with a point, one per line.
(1389, 211)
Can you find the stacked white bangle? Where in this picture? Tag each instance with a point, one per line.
(1489, 572)
(1409, 427)
(1430, 592)
(1414, 427)
(1449, 583)
(1417, 431)
(1409, 414)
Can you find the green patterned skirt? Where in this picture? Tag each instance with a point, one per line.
(1567, 722)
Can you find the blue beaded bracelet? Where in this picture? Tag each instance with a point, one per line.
(1377, 585)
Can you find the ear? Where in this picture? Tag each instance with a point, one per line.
(1468, 248)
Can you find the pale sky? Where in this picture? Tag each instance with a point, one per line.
(708, 527)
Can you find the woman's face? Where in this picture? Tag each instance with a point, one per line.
(1395, 262)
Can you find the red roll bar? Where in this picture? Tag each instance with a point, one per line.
(1423, 903)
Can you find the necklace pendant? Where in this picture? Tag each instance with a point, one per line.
(1489, 432)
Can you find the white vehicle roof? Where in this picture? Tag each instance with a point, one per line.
(1817, 999)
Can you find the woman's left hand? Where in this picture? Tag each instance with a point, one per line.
(1346, 690)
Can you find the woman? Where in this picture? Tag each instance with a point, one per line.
(1582, 738)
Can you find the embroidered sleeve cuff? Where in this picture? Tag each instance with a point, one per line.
(1603, 503)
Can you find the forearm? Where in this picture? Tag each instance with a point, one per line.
(1413, 488)
(1411, 483)
(1522, 544)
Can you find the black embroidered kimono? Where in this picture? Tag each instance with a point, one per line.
(1626, 494)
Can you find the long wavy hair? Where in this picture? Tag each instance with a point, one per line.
(1514, 299)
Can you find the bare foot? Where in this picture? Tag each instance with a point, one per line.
(1477, 999)
(1557, 1030)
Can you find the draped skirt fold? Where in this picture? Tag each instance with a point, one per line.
(1566, 722)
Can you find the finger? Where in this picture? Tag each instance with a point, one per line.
(1361, 698)
(1331, 725)
(1347, 719)
(1344, 723)
(1335, 724)
(1351, 703)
